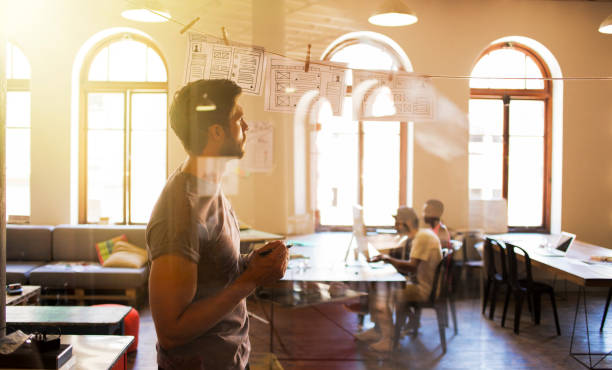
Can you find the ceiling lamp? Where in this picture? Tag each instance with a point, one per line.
(145, 11)
(393, 13)
(606, 25)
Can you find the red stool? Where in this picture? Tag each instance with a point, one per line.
(131, 325)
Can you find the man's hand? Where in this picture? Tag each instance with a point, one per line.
(380, 257)
(268, 264)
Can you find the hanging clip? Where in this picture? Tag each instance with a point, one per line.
(225, 36)
(189, 25)
(307, 64)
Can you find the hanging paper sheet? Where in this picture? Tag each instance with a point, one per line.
(287, 82)
(413, 96)
(209, 58)
(259, 152)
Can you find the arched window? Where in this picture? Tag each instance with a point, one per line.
(18, 76)
(362, 162)
(123, 142)
(510, 134)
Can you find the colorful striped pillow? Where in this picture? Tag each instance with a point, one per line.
(105, 248)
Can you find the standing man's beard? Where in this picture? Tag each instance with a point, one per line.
(232, 148)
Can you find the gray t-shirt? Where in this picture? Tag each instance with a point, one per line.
(192, 218)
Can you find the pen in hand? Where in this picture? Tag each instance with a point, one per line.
(266, 252)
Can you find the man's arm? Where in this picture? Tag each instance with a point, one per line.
(173, 284)
(402, 266)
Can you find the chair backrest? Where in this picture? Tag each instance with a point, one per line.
(512, 251)
(500, 248)
(442, 282)
(489, 258)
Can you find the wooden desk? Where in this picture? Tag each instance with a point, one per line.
(325, 253)
(575, 269)
(572, 269)
(31, 293)
(69, 319)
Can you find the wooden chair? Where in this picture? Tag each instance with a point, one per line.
(526, 288)
(439, 299)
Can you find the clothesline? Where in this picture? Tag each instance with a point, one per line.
(422, 75)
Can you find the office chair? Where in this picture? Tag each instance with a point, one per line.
(528, 288)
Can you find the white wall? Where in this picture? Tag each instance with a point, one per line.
(446, 41)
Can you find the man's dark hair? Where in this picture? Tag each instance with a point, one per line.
(190, 125)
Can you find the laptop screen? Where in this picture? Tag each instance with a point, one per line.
(565, 241)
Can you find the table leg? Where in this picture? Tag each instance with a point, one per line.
(590, 365)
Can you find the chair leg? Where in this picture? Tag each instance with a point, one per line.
(554, 307)
(517, 311)
(440, 315)
(487, 289)
(417, 321)
(493, 300)
(506, 301)
(537, 308)
(451, 302)
(603, 319)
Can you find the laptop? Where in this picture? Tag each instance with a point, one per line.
(562, 246)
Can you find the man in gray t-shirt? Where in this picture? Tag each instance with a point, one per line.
(199, 281)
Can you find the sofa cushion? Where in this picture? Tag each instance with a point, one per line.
(87, 275)
(28, 242)
(19, 271)
(76, 242)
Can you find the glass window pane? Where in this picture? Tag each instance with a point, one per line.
(18, 109)
(149, 111)
(363, 56)
(532, 71)
(20, 66)
(525, 181)
(526, 118)
(98, 71)
(337, 168)
(156, 70)
(148, 172)
(127, 61)
(105, 173)
(9, 60)
(486, 117)
(105, 110)
(381, 172)
(17, 171)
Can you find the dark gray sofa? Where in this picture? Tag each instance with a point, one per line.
(67, 264)
(27, 247)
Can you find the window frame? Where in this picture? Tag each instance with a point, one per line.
(506, 95)
(20, 85)
(127, 88)
(403, 136)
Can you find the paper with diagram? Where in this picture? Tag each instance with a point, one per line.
(259, 151)
(413, 95)
(209, 58)
(287, 82)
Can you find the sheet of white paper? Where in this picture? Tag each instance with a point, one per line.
(259, 155)
(287, 82)
(209, 58)
(413, 96)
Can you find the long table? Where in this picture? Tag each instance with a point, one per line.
(578, 269)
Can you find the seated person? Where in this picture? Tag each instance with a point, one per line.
(425, 255)
(432, 213)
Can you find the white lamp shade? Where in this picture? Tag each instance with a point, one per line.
(393, 13)
(606, 25)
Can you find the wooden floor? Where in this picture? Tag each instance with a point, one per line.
(325, 333)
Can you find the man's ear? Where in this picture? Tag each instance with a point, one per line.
(216, 132)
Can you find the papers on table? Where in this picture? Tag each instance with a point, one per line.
(209, 58)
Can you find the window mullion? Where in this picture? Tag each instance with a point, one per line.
(506, 140)
(360, 163)
(126, 157)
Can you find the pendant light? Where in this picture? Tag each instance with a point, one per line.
(393, 13)
(606, 25)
